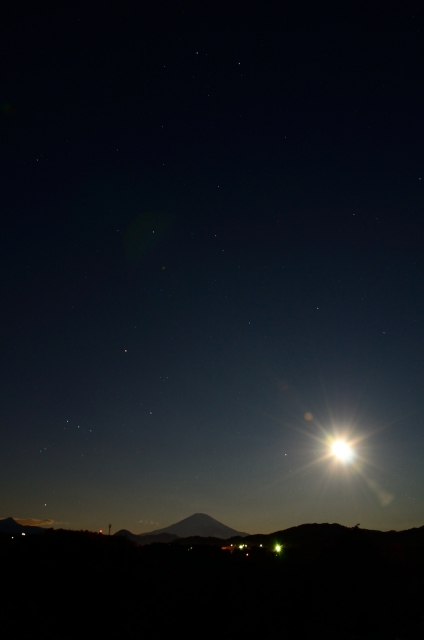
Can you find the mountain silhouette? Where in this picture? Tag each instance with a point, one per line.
(199, 524)
(9, 525)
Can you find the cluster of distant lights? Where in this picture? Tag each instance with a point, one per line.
(278, 547)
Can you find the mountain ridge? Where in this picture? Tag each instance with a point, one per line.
(196, 525)
(9, 525)
(199, 524)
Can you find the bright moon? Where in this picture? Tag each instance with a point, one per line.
(342, 451)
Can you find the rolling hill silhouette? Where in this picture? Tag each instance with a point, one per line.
(146, 538)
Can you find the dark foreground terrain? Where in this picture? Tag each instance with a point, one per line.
(65, 584)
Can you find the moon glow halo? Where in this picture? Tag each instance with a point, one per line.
(342, 451)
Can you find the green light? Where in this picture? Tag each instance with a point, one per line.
(278, 548)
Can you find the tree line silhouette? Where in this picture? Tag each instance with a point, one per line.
(317, 586)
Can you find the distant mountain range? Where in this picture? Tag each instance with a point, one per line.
(202, 529)
(9, 525)
(199, 524)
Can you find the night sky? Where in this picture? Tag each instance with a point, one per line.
(212, 263)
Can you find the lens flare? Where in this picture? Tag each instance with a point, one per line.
(342, 451)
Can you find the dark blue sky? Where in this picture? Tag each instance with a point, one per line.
(212, 226)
